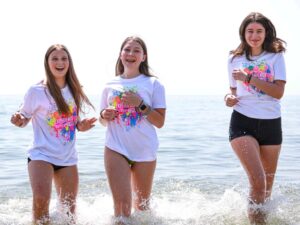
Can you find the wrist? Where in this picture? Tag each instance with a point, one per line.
(101, 116)
(144, 108)
(225, 97)
(248, 78)
(77, 126)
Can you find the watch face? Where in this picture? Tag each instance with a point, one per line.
(143, 107)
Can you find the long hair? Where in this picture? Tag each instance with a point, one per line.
(271, 43)
(71, 80)
(144, 66)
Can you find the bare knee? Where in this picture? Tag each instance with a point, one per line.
(258, 189)
(258, 183)
(41, 201)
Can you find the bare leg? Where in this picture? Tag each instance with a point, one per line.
(119, 175)
(248, 152)
(40, 174)
(269, 157)
(66, 183)
(142, 178)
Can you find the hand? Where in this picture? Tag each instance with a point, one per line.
(86, 124)
(239, 74)
(131, 99)
(19, 120)
(231, 100)
(108, 114)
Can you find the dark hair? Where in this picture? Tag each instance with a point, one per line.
(71, 80)
(271, 43)
(144, 67)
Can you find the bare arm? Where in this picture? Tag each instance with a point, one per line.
(157, 117)
(107, 115)
(274, 89)
(230, 98)
(19, 120)
(86, 124)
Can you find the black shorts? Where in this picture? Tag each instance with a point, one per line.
(265, 131)
(55, 167)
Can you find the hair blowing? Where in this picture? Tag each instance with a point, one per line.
(71, 80)
(144, 67)
(271, 43)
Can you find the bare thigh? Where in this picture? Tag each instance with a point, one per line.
(248, 152)
(119, 175)
(142, 179)
(269, 157)
(41, 175)
(66, 184)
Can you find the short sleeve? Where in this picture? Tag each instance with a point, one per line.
(279, 68)
(158, 97)
(103, 102)
(232, 82)
(29, 105)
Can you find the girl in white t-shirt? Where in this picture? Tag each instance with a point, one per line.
(257, 79)
(132, 105)
(53, 106)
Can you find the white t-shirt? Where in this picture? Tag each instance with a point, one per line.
(253, 102)
(130, 134)
(54, 133)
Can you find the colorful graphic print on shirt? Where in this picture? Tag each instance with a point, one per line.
(259, 69)
(127, 115)
(63, 125)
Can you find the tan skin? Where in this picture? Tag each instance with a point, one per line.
(41, 173)
(123, 178)
(259, 161)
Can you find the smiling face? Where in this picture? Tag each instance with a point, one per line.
(58, 62)
(132, 55)
(255, 35)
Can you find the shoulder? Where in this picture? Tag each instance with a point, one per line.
(34, 92)
(275, 57)
(36, 88)
(155, 81)
(233, 59)
(116, 79)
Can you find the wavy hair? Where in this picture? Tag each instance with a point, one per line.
(271, 43)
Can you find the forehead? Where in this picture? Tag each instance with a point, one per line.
(58, 53)
(132, 44)
(255, 26)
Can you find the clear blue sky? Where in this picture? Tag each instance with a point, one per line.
(188, 40)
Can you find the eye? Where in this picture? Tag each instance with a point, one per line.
(64, 59)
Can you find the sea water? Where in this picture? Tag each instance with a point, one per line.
(198, 180)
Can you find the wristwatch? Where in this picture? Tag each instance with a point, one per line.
(143, 106)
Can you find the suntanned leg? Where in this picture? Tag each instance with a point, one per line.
(248, 152)
(66, 183)
(269, 157)
(142, 179)
(119, 175)
(40, 174)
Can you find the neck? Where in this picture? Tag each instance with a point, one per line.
(130, 74)
(61, 83)
(256, 52)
